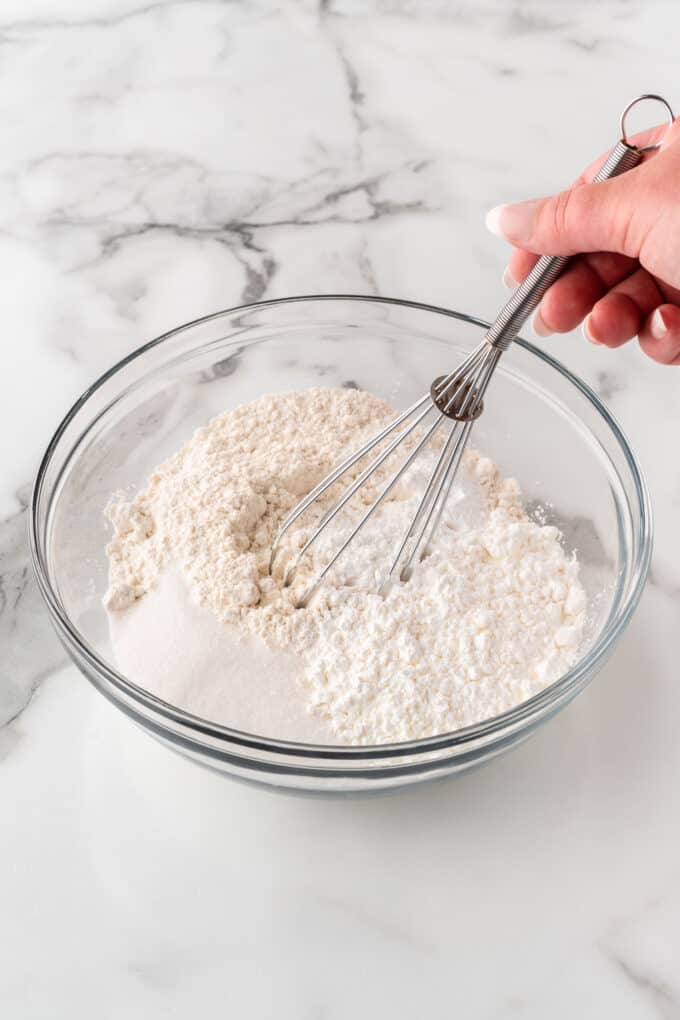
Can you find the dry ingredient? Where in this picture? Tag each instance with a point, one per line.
(491, 617)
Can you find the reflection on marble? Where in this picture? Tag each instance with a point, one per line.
(164, 160)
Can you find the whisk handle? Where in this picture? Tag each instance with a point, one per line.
(624, 156)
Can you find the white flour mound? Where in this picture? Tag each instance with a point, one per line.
(493, 615)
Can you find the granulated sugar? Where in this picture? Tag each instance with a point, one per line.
(494, 613)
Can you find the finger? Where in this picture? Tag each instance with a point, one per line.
(660, 335)
(573, 295)
(607, 216)
(520, 265)
(613, 321)
(590, 218)
(671, 295)
(581, 285)
(609, 266)
(618, 316)
(569, 300)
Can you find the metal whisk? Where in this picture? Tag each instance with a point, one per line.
(456, 398)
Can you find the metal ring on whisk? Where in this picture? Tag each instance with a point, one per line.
(442, 401)
(641, 99)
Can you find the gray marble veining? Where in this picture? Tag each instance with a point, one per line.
(30, 649)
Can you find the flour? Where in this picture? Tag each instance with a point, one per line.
(491, 617)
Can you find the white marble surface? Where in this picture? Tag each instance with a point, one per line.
(163, 160)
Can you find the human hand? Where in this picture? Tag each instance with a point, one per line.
(626, 231)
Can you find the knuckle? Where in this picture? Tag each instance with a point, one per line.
(562, 212)
(557, 220)
(626, 234)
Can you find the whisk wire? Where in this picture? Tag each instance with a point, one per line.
(350, 491)
(445, 468)
(338, 472)
(303, 601)
(444, 385)
(461, 390)
(433, 480)
(454, 463)
(436, 510)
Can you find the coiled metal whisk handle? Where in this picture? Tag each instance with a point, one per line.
(624, 156)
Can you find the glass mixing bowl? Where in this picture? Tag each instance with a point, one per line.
(540, 424)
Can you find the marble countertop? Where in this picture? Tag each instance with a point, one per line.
(166, 159)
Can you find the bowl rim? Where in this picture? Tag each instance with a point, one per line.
(520, 716)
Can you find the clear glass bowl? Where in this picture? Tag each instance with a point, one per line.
(541, 424)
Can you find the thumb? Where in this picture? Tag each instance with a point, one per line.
(587, 217)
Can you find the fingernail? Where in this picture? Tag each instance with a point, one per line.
(657, 326)
(585, 329)
(509, 280)
(493, 220)
(538, 325)
(513, 222)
